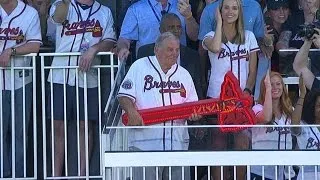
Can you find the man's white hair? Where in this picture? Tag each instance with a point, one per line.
(164, 36)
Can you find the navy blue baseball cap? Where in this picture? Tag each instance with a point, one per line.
(276, 4)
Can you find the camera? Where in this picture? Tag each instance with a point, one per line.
(307, 30)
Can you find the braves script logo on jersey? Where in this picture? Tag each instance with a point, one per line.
(281, 130)
(237, 55)
(166, 87)
(312, 143)
(82, 27)
(12, 34)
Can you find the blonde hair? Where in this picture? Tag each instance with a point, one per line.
(285, 102)
(240, 36)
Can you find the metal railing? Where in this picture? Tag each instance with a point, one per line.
(17, 113)
(122, 163)
(73, 157)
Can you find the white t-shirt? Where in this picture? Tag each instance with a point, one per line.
(232, 57)
(309, 139)
(272, 138)
(90, 26)
(18, 28)
(148, 86)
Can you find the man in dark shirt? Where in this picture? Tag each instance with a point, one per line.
(189, 58)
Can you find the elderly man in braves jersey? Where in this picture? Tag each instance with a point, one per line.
(160, 82)
(16, 38)
(85, 26)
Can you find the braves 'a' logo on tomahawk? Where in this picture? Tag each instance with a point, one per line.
(233, 107)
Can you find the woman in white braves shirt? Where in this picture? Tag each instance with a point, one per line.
(274, 107)
(308, 138)
(231, 48)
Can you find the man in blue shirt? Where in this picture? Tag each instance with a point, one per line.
(142, 22)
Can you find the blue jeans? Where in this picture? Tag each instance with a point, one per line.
(6, 130)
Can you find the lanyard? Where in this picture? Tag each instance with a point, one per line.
(162, 12)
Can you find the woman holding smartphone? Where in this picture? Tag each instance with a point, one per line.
(231, 48)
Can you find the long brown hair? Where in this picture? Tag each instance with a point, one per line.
(240, 36)
(285, 102)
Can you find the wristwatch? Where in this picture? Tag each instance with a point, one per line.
(13, 51)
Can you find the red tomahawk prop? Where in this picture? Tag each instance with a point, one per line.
(233, 108)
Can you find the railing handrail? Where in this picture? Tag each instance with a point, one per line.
(213, 126)
(72, 54)
(210, 158)
(29, 55)
(296, 50)
(118, 79)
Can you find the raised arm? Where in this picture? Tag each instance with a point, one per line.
(192, 27)
(300, 64)
(61, 12)
(283, 42)
(265, 116)
(214, 43)
(296, 115)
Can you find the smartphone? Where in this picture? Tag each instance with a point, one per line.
(268, 21)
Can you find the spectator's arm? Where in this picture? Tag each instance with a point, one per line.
(87, 58)
(30, 47)
(192, 28)
(61, 11)
(252, 71)
(283, 42)
(103, 46)
(265, 115)
(128, 106)
(213, 44)
(296, 115)
(123, 46)
(300, 64)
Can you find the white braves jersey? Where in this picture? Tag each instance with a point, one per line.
(148, 86)
(88, 27)
(18, 28)
(272, 138)
(232, 57)
(309, 139)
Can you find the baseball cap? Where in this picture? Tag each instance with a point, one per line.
(276, 4)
